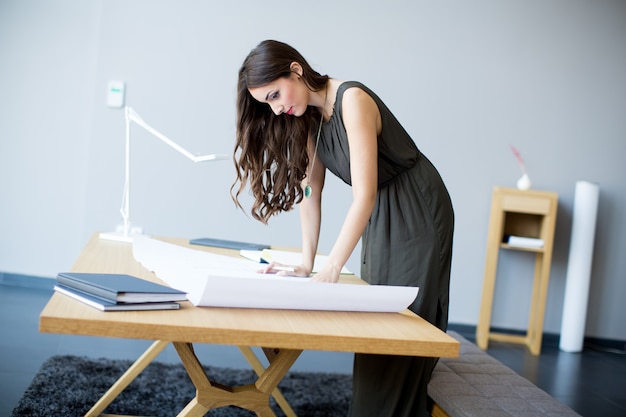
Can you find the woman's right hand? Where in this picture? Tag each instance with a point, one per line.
(285, 270)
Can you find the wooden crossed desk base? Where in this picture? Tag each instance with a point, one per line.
(291, 331)
(209, 394)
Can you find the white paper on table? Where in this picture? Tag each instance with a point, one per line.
(286, 258)
(213, 280)
(184, 268)
(298, 294)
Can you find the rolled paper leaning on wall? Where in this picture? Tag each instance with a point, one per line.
(579, 266)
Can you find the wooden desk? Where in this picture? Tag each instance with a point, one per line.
(289, 331)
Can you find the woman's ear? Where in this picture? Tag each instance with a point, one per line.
(297, 68)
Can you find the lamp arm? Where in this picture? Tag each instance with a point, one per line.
(133, 116)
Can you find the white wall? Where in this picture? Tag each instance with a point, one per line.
(466, 79)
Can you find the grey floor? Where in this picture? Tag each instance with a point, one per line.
(592, 383)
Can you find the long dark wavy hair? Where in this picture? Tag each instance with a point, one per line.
(271, 151)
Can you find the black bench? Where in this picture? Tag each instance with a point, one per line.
(477, 385)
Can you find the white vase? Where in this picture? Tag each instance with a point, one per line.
(524, 182)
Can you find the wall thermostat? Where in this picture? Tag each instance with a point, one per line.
(115, 94)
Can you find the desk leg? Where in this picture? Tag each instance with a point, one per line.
(258, 367)
(128, 376)
(253, 397)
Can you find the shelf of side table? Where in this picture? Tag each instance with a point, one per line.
(527, 214)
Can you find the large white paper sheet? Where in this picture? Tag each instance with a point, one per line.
(213, 280)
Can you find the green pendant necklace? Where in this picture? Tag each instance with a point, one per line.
(308, 190)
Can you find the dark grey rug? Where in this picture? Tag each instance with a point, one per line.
(70, 385)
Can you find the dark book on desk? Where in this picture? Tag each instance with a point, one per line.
(228, 244)
(106, 305)
(120, 287)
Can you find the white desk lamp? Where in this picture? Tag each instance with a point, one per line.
(124, 232)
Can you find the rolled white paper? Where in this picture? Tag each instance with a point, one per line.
(579, 266)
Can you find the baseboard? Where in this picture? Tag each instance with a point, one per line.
(26, 281)
(549, 340)
(469, 332)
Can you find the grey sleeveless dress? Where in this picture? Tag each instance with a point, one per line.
(408, 242)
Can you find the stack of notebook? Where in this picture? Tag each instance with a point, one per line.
(117, 292)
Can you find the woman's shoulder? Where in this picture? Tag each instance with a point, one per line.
(355, 93)
(343, 86)
(351, 90)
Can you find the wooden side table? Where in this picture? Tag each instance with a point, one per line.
(531, 216)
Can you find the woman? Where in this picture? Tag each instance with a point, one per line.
(292, 125)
